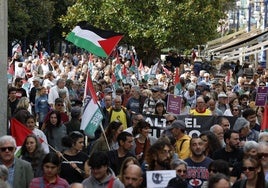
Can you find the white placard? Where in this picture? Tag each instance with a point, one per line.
(159, 178)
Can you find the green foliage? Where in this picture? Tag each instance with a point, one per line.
(153, 24)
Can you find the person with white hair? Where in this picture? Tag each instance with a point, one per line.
(20, 172)
(190, 95)
(263, 137)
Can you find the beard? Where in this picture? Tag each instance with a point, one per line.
(129, 186)
(164, 163)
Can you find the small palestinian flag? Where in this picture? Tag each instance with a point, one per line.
(97, 41)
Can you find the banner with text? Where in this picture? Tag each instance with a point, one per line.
(194, 124)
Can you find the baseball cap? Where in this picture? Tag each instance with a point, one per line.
(240, 123)
(177, 124)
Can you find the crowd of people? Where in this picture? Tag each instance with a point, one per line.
(46, 94)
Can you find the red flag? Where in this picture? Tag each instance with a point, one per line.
(19, 131)
(89, 89)
(264, 125)
(177, 76)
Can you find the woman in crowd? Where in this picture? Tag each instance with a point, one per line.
(32, 152)
(211, 141)
(142, 140)
(254, 173)
(160, 110)
(31, 124)
(50, 178)
(21, 112)
(251, 148)
(73, 171)
(181, 169)
(111, 133)
(233, 102)
(185, 108)
(55, 130)
(41, 105)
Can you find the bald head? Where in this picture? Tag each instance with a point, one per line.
(132, 176)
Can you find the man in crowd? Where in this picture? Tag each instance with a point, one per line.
(201, 108)
(218, 131)
(150, 102)
(20, 172)
(224, 123)
(177, 129)
(54, 92)
(197, 170)
(119, 113)
(127, 94)
(136, 101)
(231, 152)
(116, 157)
(132, 176)
(20, 91)
(263, 155)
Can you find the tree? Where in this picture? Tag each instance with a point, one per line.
(152, 25)
(30, 20)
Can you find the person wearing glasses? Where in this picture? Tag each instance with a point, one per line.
(20, 172)
(253, 171)
(263, 156)
(181, 169)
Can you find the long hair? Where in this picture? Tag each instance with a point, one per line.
(261, 178)
(71, 139)
(111, 129)
(213, 142)
(36, 158)
(49, 125)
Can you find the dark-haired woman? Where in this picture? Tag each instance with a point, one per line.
(73, 169)
(111, 132)
(211, 143)
(253, 171)
(142, 140)
(32, 152)
(55, 130)
(51, 168)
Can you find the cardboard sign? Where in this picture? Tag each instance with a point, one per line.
(159, 178)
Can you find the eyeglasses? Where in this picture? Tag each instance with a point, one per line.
(7, 148)
(181, 171)
(250, 168)
(170, 121)
(213, 170)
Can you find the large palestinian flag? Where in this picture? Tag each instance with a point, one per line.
(97, 41)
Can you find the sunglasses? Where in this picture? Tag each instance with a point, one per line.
(7, 148)
(59, 105)
(213, 170)
(250, 168)
(261, 155)
(180, 171)
(235, 109)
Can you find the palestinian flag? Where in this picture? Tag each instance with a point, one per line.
(97, 41)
